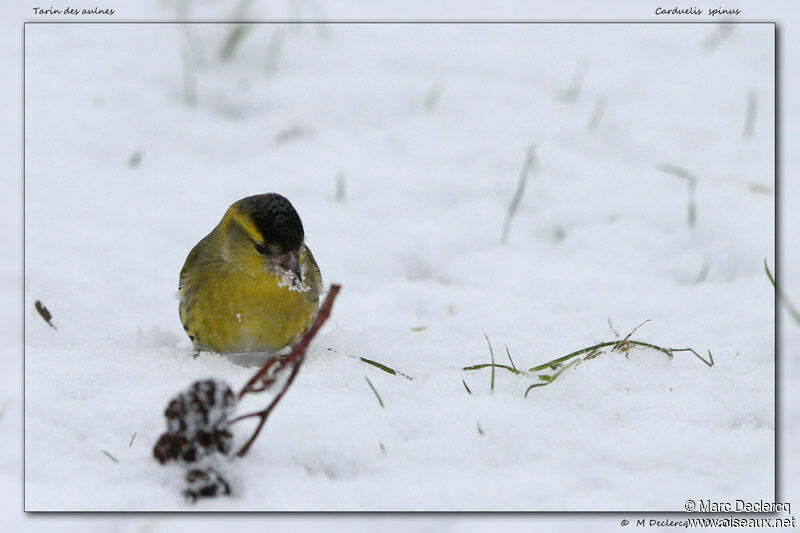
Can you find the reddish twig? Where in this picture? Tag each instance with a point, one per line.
(266, 412)
(262, 379)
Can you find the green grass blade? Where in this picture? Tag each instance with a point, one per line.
(110, 456)
(491, 352)
(795, 314)
(378, 396)
(508, 353)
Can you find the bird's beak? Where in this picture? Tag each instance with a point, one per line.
(291, 261)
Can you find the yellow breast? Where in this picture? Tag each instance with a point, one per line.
(226, 308)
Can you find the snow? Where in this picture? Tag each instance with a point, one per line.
(289, 280)
(600, 235)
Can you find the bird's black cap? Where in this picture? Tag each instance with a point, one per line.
(276, 219)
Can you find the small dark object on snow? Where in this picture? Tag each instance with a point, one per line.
(175, 447)
(44, 313)
(199, 419)
(205, 483)
(197, 423)
(135, 158)
(206, 406)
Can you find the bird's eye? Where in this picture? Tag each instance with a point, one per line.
(260, 248)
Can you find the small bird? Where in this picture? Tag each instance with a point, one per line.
(251, 285)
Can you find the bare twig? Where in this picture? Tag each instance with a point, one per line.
(266, 412)
(264, 378)
(623, 345)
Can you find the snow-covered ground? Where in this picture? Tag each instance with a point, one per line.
(600, 234)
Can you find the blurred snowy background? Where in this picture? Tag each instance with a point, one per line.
(139, 136)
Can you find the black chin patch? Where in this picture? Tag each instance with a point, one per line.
(276, 220)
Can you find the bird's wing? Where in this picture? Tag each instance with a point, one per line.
(191, 262)
(315, 279)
